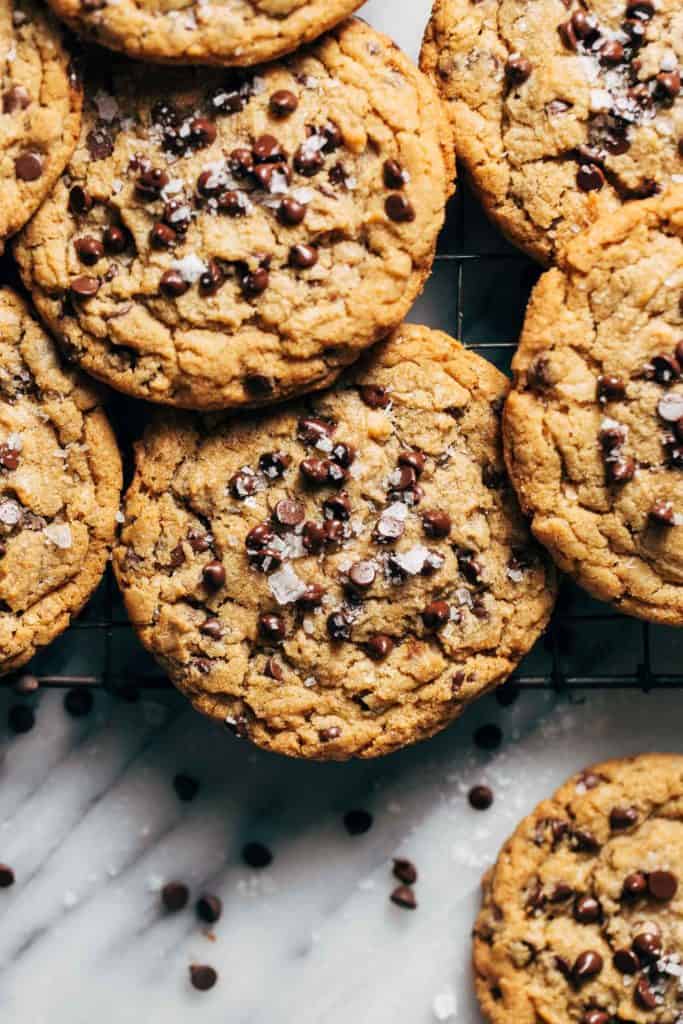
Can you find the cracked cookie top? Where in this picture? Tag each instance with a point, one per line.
(224, 239)
(562, 111)
(594, 424)
(342, 576)
(40, 103)
(582, 917)
(228, 32)
(60, 483)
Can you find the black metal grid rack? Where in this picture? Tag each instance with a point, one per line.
(479, 290)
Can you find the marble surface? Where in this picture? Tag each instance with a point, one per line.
(91, 824)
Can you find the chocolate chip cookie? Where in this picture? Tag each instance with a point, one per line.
(229, 32)
(563, 111)
(340, 577)
(41, 103)
(223, 240)
(594, 424)
(60, 482)
(582, 917)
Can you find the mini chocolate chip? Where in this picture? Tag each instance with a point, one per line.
(20, 719)
(211, 279)
(84, 287)
(394, 175)
(313, 537)
(115, 239)
(587, 910)
(611, 388)
(80, 201)
(209, 908)
(404, 897)
(316, 471)
(89, 250)
(388, 530)
(9, 458)
(283, 103)
(312, 429)
(436, 615)
(405, 871)
(256, 855)
(28, 166)
(308, 162)
(470, 567)
(611, 53)
(647, 946)
(79, 701)
(175, 896)
(6, 876)
(626, 961)
(374, 396)
(273, 669)
(344, 455)
(203, 977)
(416, 461)
(399, 209)
(267, 150)
(272, 627)
(186, 787)
(587, 965)
(596, 1017)
(668, 85)
(436, 523)
(162, 236)
(584, 840)
(290, 212)
(635, 885)
(212, 628)
(644, 9)
(150, 182)
(622, 818)
(362, 574)
(274, 464)
(312, 597)
(213, 575)
(644, 996)
(338, 627)
(303, 257)
(16, 98)
(288, 512)
(621, 470)
(662, 513)
(517, 70)
(666, 368)
(357, 821)
(173, 284)
(488, 737)
(255, 282)
(379, 647)
(662, 885)
(202, 132)
(333, 732)
(560, 893)
(480, 797)
(590, 178)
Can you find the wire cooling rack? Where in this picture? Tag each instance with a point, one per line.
(478, 292)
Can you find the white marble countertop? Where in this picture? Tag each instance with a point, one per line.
(92, 826)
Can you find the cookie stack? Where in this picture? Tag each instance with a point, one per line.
(341, 574)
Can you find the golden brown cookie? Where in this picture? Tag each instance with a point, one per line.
(229, 32)
(562, 111)
(222, 241)
(40, 112)
(594, 424)
(342, 576)
(582, 918)
(60, 483)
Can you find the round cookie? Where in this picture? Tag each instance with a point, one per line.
(342, 576)
(582, 916)
(562, 111)
(594, 424)
(60, 484)
(222, 241)
(229, 32)
(40, 109)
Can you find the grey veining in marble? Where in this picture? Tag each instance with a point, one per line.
(91, 824)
